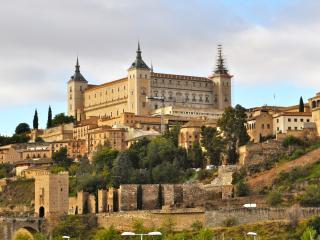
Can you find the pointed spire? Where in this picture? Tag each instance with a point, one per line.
(77, 66)
(151, 67)
(139, 52)
(220, 68)
(139, 63)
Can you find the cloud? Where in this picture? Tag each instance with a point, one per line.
(264, 43)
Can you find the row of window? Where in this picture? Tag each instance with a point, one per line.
(296, 120)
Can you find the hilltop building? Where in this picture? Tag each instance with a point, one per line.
(143, 92)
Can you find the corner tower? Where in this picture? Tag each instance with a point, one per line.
(139, 77)
(76, 86)
(222, 83)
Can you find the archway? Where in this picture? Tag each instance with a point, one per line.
(41, 212)
(76, 211)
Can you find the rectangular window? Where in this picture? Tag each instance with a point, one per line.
(289, 119)
(295, 120)
(301, 120)
(289, 128)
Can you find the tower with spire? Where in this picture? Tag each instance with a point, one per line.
(221, 83)
(76, 86)
(139, 77)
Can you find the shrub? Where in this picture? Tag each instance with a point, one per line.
(204, 234)
(107, 234)
(239, 175)
(274, 198)
(293, 141)
(311, 198)
(229, 222)
(242, 189)
(203, 174)
(197, 226)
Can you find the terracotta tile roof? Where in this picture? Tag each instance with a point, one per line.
(302, 114)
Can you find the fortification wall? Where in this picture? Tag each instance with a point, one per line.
(150, 196)
(215, 218)
(123, 221)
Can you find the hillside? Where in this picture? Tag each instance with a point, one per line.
(265, 179)
(17, 193)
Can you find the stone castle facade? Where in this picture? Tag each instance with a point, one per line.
(144, 92)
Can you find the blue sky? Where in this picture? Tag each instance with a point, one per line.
(271, 47)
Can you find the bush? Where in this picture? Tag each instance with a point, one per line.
(242, 189)
(229, 222)
(311, 198)
(203, 174)
(239, 175)
(107, 234)
(204, 234)
(293, 141)
(197, 226)
(274, 198)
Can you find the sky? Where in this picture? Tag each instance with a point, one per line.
(270, 46)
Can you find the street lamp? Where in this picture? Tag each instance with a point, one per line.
(250, 205)
(131, 234)
(252, 234)
(66, 237)
(161, 119)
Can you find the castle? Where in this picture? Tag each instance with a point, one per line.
(145, 92)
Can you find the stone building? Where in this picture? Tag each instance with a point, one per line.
(131, 93)
(23, 151)
(314, 103)
(260, 125)
(51, 194)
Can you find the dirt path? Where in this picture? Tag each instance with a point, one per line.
(266, 178)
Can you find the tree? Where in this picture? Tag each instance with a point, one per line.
(232, 124)
(22, 128)
(242, 189)
(103, 159)
(309, 234)
(122, 169)
(49, 122)
(301, 105)
(195, 155)
(173, 134)
(213, 143)
(62, 119)
(35, 120)
(107, 234)
(61, 158)
(23, 236)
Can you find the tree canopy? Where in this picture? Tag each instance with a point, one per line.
(22, 128)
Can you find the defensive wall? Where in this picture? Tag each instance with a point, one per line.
(216, 218)
(132, 197)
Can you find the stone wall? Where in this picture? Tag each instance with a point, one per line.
(254, 153)
(102, 200)
(180, 219)
(215, 218)
(92, 204)
(128, 197)
(196, 195)
(172, 195)
(150, 196)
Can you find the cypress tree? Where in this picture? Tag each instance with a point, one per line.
(35, 120)
(301, 105)
(49, 122)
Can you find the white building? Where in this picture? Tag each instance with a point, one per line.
(282, 122)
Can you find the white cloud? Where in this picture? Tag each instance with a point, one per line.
(40, 40)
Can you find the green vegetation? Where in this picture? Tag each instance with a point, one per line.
(18, 192)
(61, 118)
(274, 198)
(35, 120)
(75, 226)
(49, 121)
(242, 189)
(6, 170)
(22, 128)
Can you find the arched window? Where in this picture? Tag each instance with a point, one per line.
(41, 212)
